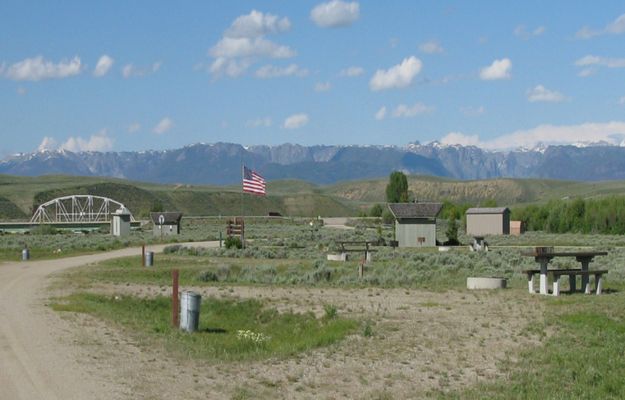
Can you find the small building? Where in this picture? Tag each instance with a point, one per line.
(415, 223)
(166, 223)
(120, 223)
(488, 221)
(517, 228)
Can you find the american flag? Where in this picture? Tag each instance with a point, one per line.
(253, 182)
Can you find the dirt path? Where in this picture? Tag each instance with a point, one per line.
(37, 359)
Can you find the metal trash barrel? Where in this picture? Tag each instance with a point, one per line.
(25, 254)
(190, 311)
(149, 258)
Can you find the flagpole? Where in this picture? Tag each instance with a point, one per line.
(242, 177)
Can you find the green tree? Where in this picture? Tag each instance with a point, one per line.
(157, 206)
(489, 203)
(397, 188)
(376, 211)
(452, 231)
(387, 217)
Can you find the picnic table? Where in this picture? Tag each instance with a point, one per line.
(544, 255)
(357, 246)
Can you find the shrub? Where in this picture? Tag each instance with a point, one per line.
(207, 276)
(387, 217)
(44, 230)
(376, 210)
(233, 242)
(330, 311)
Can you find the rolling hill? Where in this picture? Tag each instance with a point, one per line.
(19, 196)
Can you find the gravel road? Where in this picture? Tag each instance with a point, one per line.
(35, 363)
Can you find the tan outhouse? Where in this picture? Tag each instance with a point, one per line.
(488, 221)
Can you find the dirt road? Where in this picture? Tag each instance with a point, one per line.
(35, 361)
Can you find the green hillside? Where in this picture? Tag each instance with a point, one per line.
(503, 191)
(20, 195)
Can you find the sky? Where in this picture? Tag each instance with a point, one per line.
(151, 75)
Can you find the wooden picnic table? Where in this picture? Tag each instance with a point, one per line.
(544, 255)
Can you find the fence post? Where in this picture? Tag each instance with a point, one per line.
(143, 255)
(175, 302)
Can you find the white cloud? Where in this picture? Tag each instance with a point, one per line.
(163, 126)
(615, 27)
(271, 71)
(21, 91)
(541, 94)
(586, 72)
(522, 32)
(130, 70)
(97, 142)
(228, 48)
(244, 43)
(406, 111)
(257, 24)
(259, 123)
(461, 139)
(591, 60)
(472, 111)
(431, 47)
(499, 69)
(36, 69)
(611, 132)
(398, 76)
(134, 127)
(621, 101)
(295, 121)
(352, 72)
(103, 66)
(48, 143)
(381, 113)
(323, 86)
(335, 13)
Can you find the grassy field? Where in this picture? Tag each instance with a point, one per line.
(580, 354)
(229, 330)
(582, 359)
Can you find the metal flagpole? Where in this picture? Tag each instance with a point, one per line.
(242, 178)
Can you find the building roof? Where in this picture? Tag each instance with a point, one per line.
(415, 210)
(488, 210)
(169, 218)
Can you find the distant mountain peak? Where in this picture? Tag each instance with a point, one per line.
(220, 163)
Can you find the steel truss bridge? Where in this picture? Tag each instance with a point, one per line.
(76, 209)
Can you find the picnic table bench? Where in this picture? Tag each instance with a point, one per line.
(544, 255)
(357, 246)
(572, 274)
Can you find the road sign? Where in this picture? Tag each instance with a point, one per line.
(161, 219)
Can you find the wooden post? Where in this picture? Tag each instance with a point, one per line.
(361, 269)
(175, 304)
(143, 255)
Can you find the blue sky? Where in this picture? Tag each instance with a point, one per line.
(154, 75)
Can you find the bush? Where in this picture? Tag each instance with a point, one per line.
(376, 210)
(387, 217)
(44, 230)
(207, 276)
(330, 311)
(233, 242)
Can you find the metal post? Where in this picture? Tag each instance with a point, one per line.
(175, 304)
(544, 262)
(220, 239)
